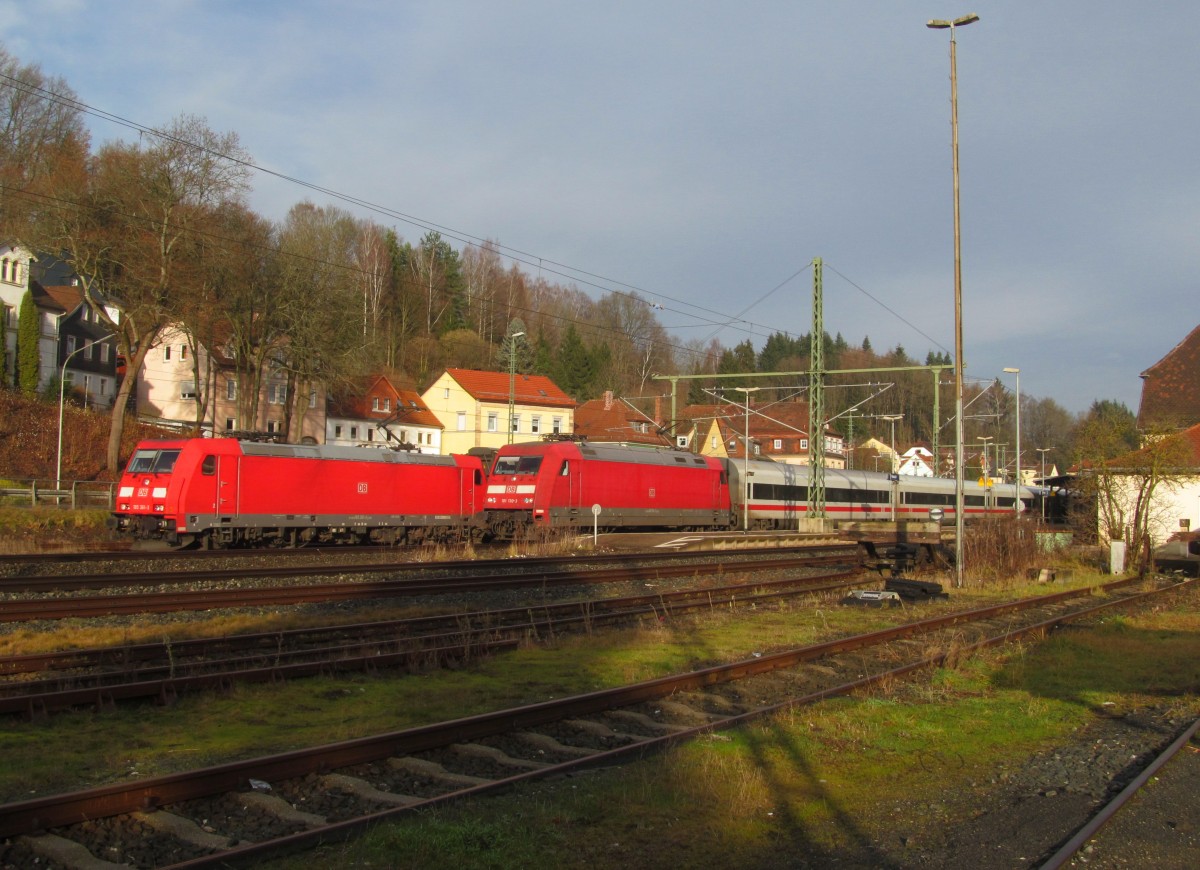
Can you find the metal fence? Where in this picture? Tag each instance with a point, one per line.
(29, 492)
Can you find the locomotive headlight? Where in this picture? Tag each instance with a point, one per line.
(158, 509)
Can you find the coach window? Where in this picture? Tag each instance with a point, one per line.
(209, 465)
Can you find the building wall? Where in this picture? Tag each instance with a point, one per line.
(470, 423)
(167, 383)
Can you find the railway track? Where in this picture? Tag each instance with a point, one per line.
(34, 685)
(438, 578)
(1106, 813)
(236, 814)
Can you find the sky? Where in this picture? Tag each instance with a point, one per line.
(703, 154)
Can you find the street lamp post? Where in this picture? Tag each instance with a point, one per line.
(746, 462)
(62, 388)
(937, 24)
(1017, 485)
(895, 475)
(512, 381)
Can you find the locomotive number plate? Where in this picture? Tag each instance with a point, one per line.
(362, 488)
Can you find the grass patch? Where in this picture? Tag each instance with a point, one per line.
(805, 782)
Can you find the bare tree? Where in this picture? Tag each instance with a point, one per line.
(127, 231)
(41, 127)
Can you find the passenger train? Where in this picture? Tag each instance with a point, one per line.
(214, 492)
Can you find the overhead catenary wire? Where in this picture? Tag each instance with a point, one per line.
(514, 254)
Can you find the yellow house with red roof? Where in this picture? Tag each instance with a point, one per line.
(473, 407)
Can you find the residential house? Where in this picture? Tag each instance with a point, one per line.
(917, 461)
(69, 333)
(1174, 506)
(14, 282)
(85, 348)
(473, 408)
(612, 419)
(777, 430)
(375, 412)
(183, 386)
(1170, 399)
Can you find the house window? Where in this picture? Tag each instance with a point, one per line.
(166, 353)
(714, 442)
(104, 386)
(370, 434)
(803, 443)
(462, 421)
(230, 424)
(183, 349)
(757, 449)
(312, 398)
(516, 422)
(87, 348)
(375, 404)
(446, 393)
(105, 352)
(493, 422)
(556, 425)
(353, 433)
(337, 431)
(272, 427)
(186, 391)
(277, 394)
(387, 404)
(778, 443)
(231, 389)
(535, 424)
(70, 344)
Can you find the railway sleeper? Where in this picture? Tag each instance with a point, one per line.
(281, 809)
(652, 726)
(182, 829)
(497, 756)
(363, 790)
(433, 770)
(546, 743)
(66, 853)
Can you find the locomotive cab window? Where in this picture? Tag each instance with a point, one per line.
(566, 468)
(165, 461)
(209, 465)
(517, 465)
(153, 461)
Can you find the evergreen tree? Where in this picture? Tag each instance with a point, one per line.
(575, 368)
(866, 345)
(28, 336)
(516, 351)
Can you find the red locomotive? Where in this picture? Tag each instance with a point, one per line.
(218, 492)
(559, 484)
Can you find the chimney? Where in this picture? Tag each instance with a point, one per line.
(608, 400)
